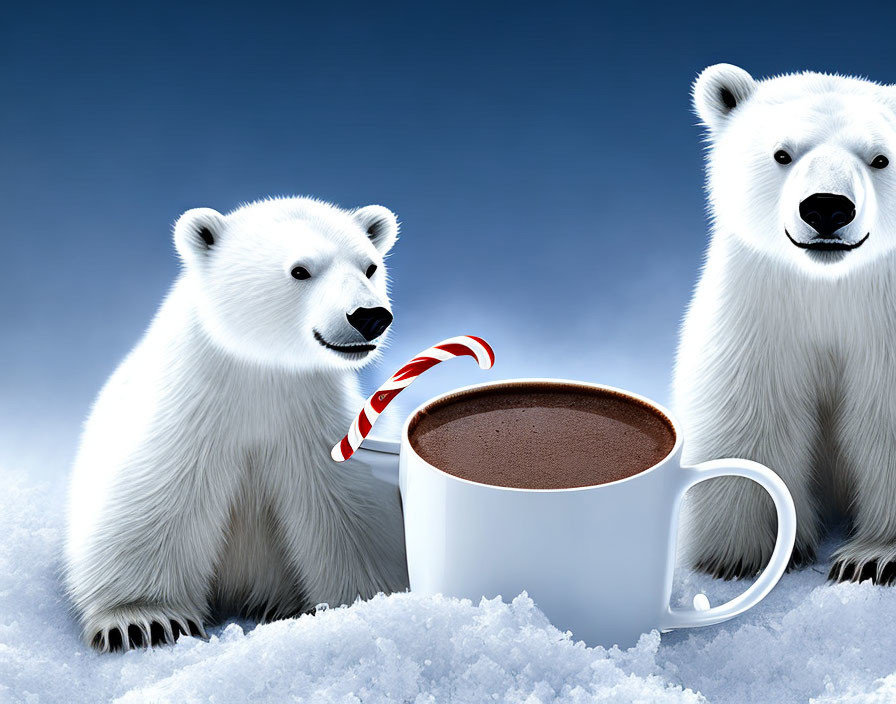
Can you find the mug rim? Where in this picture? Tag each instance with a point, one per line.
(405, 440)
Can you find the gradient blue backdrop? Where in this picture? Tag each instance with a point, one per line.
(543, 159)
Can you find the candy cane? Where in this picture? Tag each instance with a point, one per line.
(464, 345)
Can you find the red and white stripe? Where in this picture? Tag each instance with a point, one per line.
(464, 345)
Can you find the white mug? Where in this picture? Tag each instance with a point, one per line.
(597, 560)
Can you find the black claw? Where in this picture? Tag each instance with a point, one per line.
(869, 571)
(115, 642)
(135, 635)
(194, 629)
(888, 575)
(177, 630)
(97, 641)
(848, 570)
(843, 572)
(157, 634)
(734, 570)
(801, 557)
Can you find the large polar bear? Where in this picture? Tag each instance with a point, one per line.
(204, 484)
(788, 350)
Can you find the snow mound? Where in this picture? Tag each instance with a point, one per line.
(808, 641)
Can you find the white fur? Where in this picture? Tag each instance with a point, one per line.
(203, 483)
(788, 357)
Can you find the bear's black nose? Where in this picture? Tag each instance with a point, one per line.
(827, 212)
(370, 322)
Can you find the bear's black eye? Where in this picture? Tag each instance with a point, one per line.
(301, 273)
(371, 270)
(782, 157)
(880, 162)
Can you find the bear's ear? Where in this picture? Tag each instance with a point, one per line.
(719, 91)
(380, 224)
(196, 233)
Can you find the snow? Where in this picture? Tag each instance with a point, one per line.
(808, 641)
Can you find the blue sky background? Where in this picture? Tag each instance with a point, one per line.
(543, 159)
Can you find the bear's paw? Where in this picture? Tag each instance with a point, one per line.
(140, 626)
(859, 560)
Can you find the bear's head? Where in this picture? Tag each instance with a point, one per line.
(290, 282)
(799, 165)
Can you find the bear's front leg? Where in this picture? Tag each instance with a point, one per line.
(141, 550)
(731, 528)
(737, 394)
(730, 523)
(865, 434)
(343, 531)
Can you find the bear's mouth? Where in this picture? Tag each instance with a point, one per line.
(827, 245)
(359, 349)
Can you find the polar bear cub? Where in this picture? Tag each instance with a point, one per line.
(788, 350)
(203, 485)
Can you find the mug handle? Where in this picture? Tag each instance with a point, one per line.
(777, 564)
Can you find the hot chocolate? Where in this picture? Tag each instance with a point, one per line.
(541, 436)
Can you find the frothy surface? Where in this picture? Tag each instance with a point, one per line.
(541, 436)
